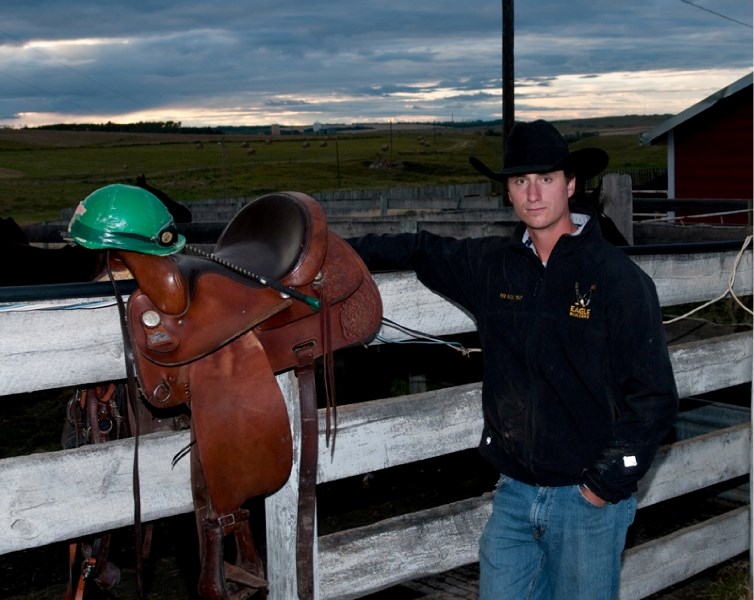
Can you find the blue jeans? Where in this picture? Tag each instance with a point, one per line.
(550, 543)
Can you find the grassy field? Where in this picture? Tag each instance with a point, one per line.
(43, 171)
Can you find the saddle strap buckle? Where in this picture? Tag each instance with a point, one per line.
(305, 354)
(232, 521)
(161, 393)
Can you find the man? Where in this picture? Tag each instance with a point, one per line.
(578, 389)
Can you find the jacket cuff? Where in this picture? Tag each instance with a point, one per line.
(607, 493)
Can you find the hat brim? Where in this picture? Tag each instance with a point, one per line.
(95, 239)
(585, 163)
(588, 162)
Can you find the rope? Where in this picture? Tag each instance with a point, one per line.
(424, 337)
(729, 289)
(57, 306)
(681, 218)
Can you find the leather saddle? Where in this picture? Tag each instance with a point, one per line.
(279, 292)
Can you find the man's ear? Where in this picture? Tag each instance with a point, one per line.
(571, 187)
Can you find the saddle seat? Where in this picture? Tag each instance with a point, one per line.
(280, 236)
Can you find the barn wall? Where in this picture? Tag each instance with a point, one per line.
(713, 151)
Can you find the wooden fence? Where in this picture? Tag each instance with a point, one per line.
(41, 503)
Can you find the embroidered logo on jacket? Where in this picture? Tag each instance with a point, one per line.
(580, 308)
(509, 296)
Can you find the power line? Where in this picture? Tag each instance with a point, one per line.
(66, 66)
(717, 13)
(52, 94)
(31, 85)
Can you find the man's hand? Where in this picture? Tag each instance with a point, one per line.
(591, 497)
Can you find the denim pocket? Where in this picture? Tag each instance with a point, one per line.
(631, 510)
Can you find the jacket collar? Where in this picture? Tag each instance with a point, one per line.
(582, 217)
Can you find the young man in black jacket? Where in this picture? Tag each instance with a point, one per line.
(578, 390)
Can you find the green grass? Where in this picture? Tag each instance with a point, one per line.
(732, 582)
(42, 172)
(625, 152)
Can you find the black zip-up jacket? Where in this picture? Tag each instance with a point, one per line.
(578, 387)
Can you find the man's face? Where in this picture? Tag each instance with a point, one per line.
(540, 200)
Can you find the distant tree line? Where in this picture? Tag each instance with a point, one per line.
(140, 127)
(471, 124)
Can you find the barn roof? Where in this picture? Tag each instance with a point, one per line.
(659, 133)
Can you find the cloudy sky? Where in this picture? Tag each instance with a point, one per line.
(343, 61)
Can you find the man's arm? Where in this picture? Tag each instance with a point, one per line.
(386, 252)
(644, 373)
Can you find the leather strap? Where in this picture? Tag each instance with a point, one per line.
(331, 406)
(307, 482)
(89, 564)
(218, 579)
(69, 594)
(90, 567)
(133, 395)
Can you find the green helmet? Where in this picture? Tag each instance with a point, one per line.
(125, 217)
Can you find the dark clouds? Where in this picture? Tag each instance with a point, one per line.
(296, 62)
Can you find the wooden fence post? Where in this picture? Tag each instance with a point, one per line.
(282, 511)
(617, 202)
(384, 204)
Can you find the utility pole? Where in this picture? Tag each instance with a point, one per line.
(508, 72)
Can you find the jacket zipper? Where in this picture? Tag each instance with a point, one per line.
(538, 296)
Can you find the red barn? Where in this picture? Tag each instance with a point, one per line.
(710, 152)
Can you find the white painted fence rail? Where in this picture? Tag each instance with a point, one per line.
(40, 503)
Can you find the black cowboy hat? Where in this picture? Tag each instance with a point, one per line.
(538, 147)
